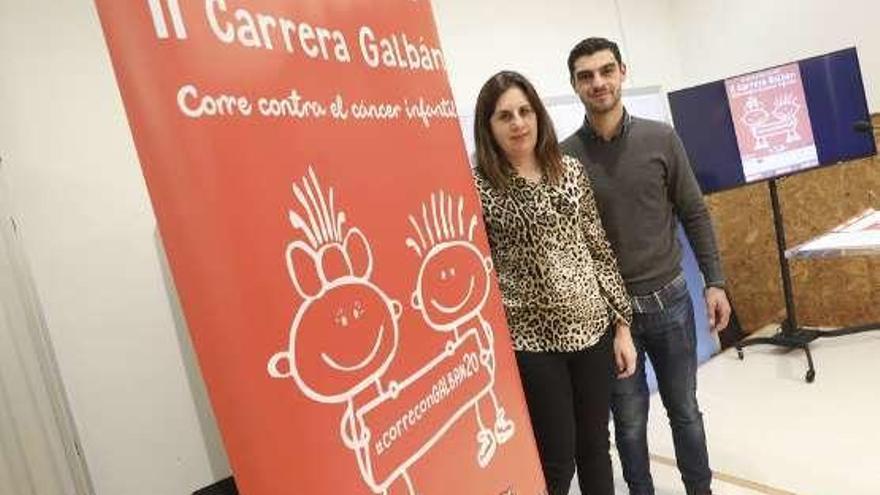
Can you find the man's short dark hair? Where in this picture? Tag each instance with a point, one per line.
(590, 46)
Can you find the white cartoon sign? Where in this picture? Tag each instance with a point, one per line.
(389, 425)
(451, 292)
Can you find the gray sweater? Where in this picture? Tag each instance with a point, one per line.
(643, 181)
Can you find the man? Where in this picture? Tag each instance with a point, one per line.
(643, 183)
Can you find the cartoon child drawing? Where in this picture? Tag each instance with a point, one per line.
(345, 334)
(781, 121)
(785, 109)
(756, 118)
(451, 291)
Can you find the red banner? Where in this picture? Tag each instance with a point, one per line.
(315, 202)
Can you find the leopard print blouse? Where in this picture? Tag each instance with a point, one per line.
(558, 276)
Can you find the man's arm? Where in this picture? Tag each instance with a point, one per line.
(694, 216)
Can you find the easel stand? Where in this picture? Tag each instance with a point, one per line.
(790, 335)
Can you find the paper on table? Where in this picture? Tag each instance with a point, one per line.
(858, 236)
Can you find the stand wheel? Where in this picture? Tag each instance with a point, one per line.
(739, 353)
(811, 376)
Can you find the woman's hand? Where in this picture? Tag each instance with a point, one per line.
(624, 351)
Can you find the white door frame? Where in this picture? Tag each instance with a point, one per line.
(40, 453)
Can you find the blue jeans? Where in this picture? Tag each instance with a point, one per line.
(668, 336)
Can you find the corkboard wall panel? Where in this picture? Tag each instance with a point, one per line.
(828, 292)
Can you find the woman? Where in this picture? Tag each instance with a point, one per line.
(559, 282)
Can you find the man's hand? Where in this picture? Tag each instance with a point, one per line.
(624, 351)
(718, 308)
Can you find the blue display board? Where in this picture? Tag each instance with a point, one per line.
(725, 141)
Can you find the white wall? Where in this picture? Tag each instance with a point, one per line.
(88, 231)
(717, 38)
(534, 38)
(88, 227)
(671, 43)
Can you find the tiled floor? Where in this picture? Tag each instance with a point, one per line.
(772, 433)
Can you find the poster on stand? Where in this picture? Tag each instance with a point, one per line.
(772, 122)
(317, 209)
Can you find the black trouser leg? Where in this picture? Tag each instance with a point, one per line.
(568, 397)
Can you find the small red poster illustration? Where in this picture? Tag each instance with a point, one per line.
(772, 122)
